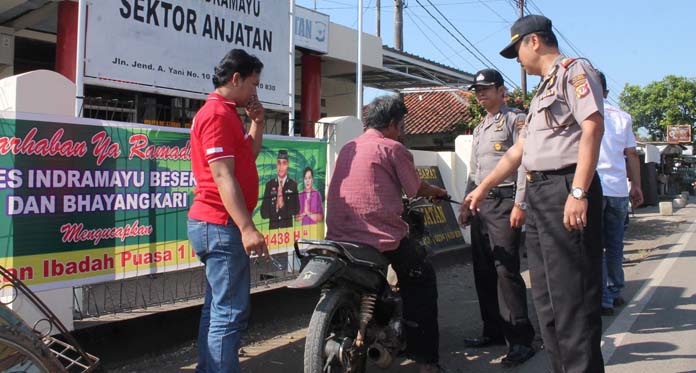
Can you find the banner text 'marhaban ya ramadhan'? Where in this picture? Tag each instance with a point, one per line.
(165, 14)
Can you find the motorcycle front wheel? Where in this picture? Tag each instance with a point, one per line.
(25, 352)
(332, 329)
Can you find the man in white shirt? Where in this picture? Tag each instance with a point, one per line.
(618, 159)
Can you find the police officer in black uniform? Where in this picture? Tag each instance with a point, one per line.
(280, 199)
(559, 146)
(495, 231)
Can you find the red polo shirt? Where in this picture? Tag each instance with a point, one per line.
(218, 133)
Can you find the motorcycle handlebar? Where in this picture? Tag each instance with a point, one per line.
(448, 198)
(298, 253)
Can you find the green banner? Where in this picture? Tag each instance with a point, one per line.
(87, 201)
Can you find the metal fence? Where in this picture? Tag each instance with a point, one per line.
(169, 288)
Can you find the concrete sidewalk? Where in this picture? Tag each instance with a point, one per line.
(656, 330)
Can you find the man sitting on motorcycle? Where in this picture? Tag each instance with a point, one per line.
(364, 206)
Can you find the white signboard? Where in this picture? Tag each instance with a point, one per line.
(311, 30)
(171, 47)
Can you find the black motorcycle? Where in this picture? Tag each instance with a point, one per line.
(359, 314)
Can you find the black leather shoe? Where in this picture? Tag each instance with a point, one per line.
(607, 311)
(619, 301)
(517, 355)
(483, 341)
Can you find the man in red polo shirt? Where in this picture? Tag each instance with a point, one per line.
(364, 206)
(220, 228)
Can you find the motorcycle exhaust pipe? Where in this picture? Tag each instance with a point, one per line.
(380, 356)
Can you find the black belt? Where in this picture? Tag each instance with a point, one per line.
(536, 176)
(501, 192)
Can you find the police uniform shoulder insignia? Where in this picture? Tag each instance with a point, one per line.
(580, 83)
(578, 79)
(582, 90)
(520, 121)
(566, 62)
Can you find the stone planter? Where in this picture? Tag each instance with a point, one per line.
(665, 208)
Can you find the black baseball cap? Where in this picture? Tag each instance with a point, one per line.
(487, 78)
(524, 26)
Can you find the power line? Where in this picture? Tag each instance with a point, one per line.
(494, 12)
(488, 63)
(413, 19)
(388, 7)
(575, 50)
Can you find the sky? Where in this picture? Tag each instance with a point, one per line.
(633, 42)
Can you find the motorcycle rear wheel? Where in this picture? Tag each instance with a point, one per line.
(335, 318)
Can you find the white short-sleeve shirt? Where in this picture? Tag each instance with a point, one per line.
(618, 135)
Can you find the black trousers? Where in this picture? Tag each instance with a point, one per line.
(566, 273)
(501, 290)
(418, 289)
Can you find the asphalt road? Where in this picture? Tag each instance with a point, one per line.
(654, 332)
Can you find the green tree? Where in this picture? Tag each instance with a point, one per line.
(513, 99)
(659, 104)
(476, 111)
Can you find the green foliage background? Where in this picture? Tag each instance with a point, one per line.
(670, 101)
(513, 99)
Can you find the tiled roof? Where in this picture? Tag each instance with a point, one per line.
(432, 111)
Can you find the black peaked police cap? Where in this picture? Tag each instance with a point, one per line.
(487, 78)
(524, 26)
(282, 154)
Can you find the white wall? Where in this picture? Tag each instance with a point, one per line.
(337, 131)
(343, 45)
(339, 96)
(39, 91)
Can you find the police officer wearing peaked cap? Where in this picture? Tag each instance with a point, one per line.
(495, 231)
(280, 198)
(559, 145)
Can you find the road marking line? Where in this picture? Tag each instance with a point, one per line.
(621, 326)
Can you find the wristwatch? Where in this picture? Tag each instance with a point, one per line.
(521, 205)
(578, 193)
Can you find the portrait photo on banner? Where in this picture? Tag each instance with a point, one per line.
(292, 176)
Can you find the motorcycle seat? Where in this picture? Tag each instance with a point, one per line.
(361, 254)
(365, 253)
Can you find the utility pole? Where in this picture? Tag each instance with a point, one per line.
(399, 25)
(524, 73)
(379, 18)
(359, 65)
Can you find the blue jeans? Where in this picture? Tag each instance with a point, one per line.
(615, 211)
(226, 308)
